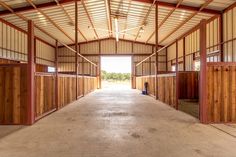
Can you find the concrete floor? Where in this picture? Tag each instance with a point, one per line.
(116, 123)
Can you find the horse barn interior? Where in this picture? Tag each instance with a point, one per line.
(51, 98)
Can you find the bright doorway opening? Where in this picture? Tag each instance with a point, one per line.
(116, 71)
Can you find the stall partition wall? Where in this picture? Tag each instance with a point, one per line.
(221, 76)
(51, 91)
(13, 94)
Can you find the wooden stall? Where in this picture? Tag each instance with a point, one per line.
(13, 94)
(45, 93)
(221, 92)
(66, 89)
(188, 85)
(167, 89)
(151, 83)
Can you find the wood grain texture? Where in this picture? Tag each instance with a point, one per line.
(44, 94)
(221, 94)
(13, 94)
(166, 90)
(188, 85)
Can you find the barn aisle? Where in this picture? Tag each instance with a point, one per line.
(117, 123)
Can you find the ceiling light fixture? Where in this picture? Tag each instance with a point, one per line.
(141, 30)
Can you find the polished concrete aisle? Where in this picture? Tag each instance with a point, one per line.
(117, 123)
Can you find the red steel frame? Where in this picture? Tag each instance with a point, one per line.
(156, 57)
(177, 75)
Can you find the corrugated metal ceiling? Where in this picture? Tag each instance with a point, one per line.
(94, 23)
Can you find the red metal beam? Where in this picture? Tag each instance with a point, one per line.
(64, 2)
(203, 73)
(30, 75)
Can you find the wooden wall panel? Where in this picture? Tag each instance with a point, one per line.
(66, 89)
(7, 61)
(221, 93)
(90, 84)
(166, 89)
(44, 93)
(13, 94)
(151, 84)
(188, 85)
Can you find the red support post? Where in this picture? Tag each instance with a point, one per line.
(184, 53)
(177, 75)
(156, 60)
(56, 80)
(203, 73)
(221, 38)
(100, 65)
(76, 47)
(30, 76)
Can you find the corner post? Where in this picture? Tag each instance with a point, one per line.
(76, 47)
(156, 59)
(30, 76)
(177, 76)
(203, 73)
(56, 80)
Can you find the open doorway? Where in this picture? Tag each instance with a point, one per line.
(116, 71)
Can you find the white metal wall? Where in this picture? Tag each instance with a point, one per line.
(13, 43)
(45, 53)
(229, 29)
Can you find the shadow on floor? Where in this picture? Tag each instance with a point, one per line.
(6, 130)
(189, 106)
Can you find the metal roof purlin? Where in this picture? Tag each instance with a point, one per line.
(185, 21)
(164, 4)
(145, 18)
(90, 20)
(166, 18)
(109, 20)
(49, 19)
(71, 20)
